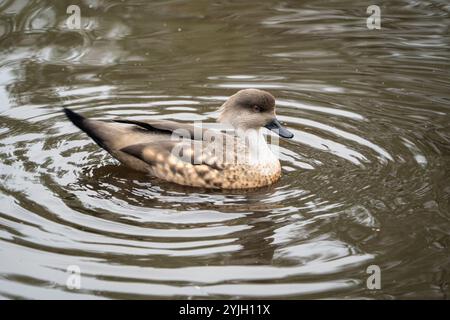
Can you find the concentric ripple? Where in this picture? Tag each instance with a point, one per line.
(365, 178)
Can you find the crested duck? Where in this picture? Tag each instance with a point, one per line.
(188, 155)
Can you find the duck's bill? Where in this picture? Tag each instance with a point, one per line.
(275, 126)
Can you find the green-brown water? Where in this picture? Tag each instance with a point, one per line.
(365, 179)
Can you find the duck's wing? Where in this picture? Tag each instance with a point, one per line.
(184, 162)
(115, 134)
(151, 145)
(176, 153)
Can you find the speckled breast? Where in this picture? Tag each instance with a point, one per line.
(232, 176)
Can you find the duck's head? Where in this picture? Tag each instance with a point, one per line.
(252, 109)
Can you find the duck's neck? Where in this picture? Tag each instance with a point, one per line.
(259, 150)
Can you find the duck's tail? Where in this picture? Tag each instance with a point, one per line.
(93, 128)
(76, 118)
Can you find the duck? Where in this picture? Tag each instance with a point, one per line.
(237, 157)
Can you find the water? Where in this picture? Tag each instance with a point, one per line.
(365, 179)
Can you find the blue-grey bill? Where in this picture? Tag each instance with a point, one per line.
(275, 126)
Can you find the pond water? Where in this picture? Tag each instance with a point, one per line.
(365, 179)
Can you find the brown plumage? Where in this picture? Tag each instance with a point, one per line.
(184, 154)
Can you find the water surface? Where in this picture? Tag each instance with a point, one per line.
(365, 179)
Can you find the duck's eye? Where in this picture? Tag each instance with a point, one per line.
(257, 109)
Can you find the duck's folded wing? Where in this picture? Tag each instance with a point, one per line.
(175, 156)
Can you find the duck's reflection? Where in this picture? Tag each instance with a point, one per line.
(137, 190)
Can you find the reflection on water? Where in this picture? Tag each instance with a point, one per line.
(365, 178)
